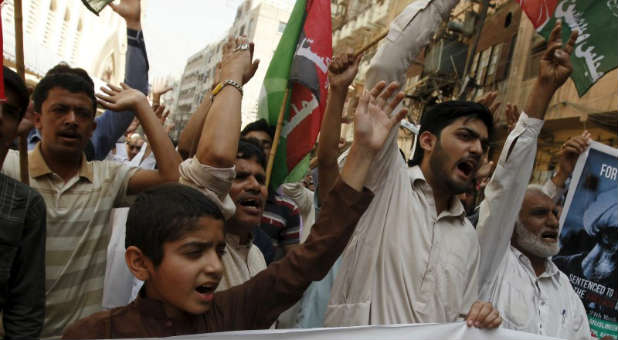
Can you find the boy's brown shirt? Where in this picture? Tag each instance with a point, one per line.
(255, 304)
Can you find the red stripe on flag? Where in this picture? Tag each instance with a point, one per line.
(315, 47)
(539, 11)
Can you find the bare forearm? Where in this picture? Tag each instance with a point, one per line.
(538, 100)
(190, 135)
(560, 178)
(167, 158)
(356, 168)
(219, 139)
(330, 133)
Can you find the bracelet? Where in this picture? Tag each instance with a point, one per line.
(223, 84)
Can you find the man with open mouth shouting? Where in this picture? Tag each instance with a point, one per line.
(516, 273)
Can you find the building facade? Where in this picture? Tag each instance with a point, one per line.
(466, 62)
(66, 31)
(262, 22)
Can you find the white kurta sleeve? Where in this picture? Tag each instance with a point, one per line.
(504, 195)
(409, 33)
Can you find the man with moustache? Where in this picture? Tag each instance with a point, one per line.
(230, 170)
(243, 259)
(529, 290)
(516, 273)
(414, 256)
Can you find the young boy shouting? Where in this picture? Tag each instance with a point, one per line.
(175, 241)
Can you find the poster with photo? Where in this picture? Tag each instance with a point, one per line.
(589, 237)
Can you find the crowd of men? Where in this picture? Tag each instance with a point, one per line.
(205, 246)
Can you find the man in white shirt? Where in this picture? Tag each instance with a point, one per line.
(414, 256)
(516, 271)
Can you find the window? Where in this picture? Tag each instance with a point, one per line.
(474, 66)
(482, 68)
(505, 65)
(496, 55)
(282, 26)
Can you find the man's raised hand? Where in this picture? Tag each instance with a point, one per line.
(489, 101)
(372, 124)
(342, 71)
(569, 152)
(373, 120)
(512, 116)
(237, 63)
(555, 65)
(130, 10)
(123, 98)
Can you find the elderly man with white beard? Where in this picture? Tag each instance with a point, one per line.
(528, 289)
(516, 273)
(531, 292)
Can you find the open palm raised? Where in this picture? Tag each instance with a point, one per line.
(373, 121)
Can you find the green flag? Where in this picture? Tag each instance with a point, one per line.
(300, 65)
(596, 48)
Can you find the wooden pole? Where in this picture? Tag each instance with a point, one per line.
(21, 70)
(273, 150)
(373, 42)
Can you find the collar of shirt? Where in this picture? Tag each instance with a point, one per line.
(551, 270)
(38, 167)
(155, 310)
(233, 240)
(417, 179)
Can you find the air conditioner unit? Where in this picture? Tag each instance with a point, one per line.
(446, 57)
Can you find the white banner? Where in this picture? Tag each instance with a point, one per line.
(454, 331)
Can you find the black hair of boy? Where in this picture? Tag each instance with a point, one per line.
(166, 213)
(439, 116)
(250, 149)
(74, 80)
(258, 125)
(14, 82)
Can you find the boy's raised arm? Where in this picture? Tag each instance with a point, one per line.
(341, 73)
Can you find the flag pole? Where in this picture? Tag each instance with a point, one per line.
(372, 43)
(21, 70)
(273, 150)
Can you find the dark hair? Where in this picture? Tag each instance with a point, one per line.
(166, 213)
(14, 82)
(249, 148)
(258, 125)
(75, 80)
(439, 116)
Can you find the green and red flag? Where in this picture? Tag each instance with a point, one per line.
(595, 51)
(300, 64)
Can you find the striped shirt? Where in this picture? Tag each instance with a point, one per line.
(77, 234)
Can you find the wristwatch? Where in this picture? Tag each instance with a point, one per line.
(223, 84)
